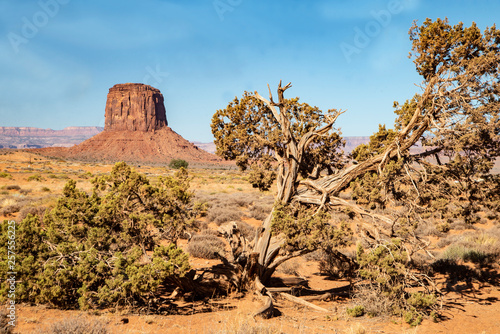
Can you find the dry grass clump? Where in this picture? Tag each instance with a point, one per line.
(289, 267)
(33, 210)
(77, 325)
(260, 211)
(205, 246)
(374, 301)
(476, 247)
(221, 215)
(247, 230)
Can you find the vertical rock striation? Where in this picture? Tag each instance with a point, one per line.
(134, 107)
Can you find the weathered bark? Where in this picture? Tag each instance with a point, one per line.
(322, 191)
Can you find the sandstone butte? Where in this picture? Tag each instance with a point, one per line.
(136, 131)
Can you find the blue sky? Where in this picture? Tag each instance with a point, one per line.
(58, 58)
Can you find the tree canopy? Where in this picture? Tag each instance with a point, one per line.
(454, 120)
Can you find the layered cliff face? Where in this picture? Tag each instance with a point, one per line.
(134, 107)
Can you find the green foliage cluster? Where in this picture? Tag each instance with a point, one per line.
(356, 311)
(102, 249)
(178, 164)
(307, 230)
(36, 177)
(378, 143)
(5, 175)
(247, 132)
(387, 268)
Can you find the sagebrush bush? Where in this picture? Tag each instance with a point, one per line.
(102, 249)
(205, 246)
(220, 215)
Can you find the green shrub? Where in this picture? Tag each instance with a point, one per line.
(5, 175)
(103, 249)
(178, 164)
(356, 311)
(36, 177)
(389, 272)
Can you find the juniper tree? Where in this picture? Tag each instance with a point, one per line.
(104, 249)
(455, 115)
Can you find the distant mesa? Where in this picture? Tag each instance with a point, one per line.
(136, 131)
(134, 107)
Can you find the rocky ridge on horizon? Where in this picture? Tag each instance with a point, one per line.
(31, 137)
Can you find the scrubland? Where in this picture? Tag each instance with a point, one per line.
(465, 264)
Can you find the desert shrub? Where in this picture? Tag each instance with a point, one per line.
(427, 228)
(247, 230)
(78, 325)
(13, 187)
(32, 210)
(45, 189)
(259, 211)
(201, 208)
(387, 269)
(36, 177)
(10, 210)
(5, 175)
(85, 175)
(289, 267)
(25, 191)
(102, 249)
(466, 254)
(356, 311)
(476, 247)
(205, 246)
(178, 163)
(220, 215)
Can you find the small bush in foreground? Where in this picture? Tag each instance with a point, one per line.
(104, 249)
(388, 271)
(356, 311)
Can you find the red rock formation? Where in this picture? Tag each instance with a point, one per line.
(134, 107)
(135, 131)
